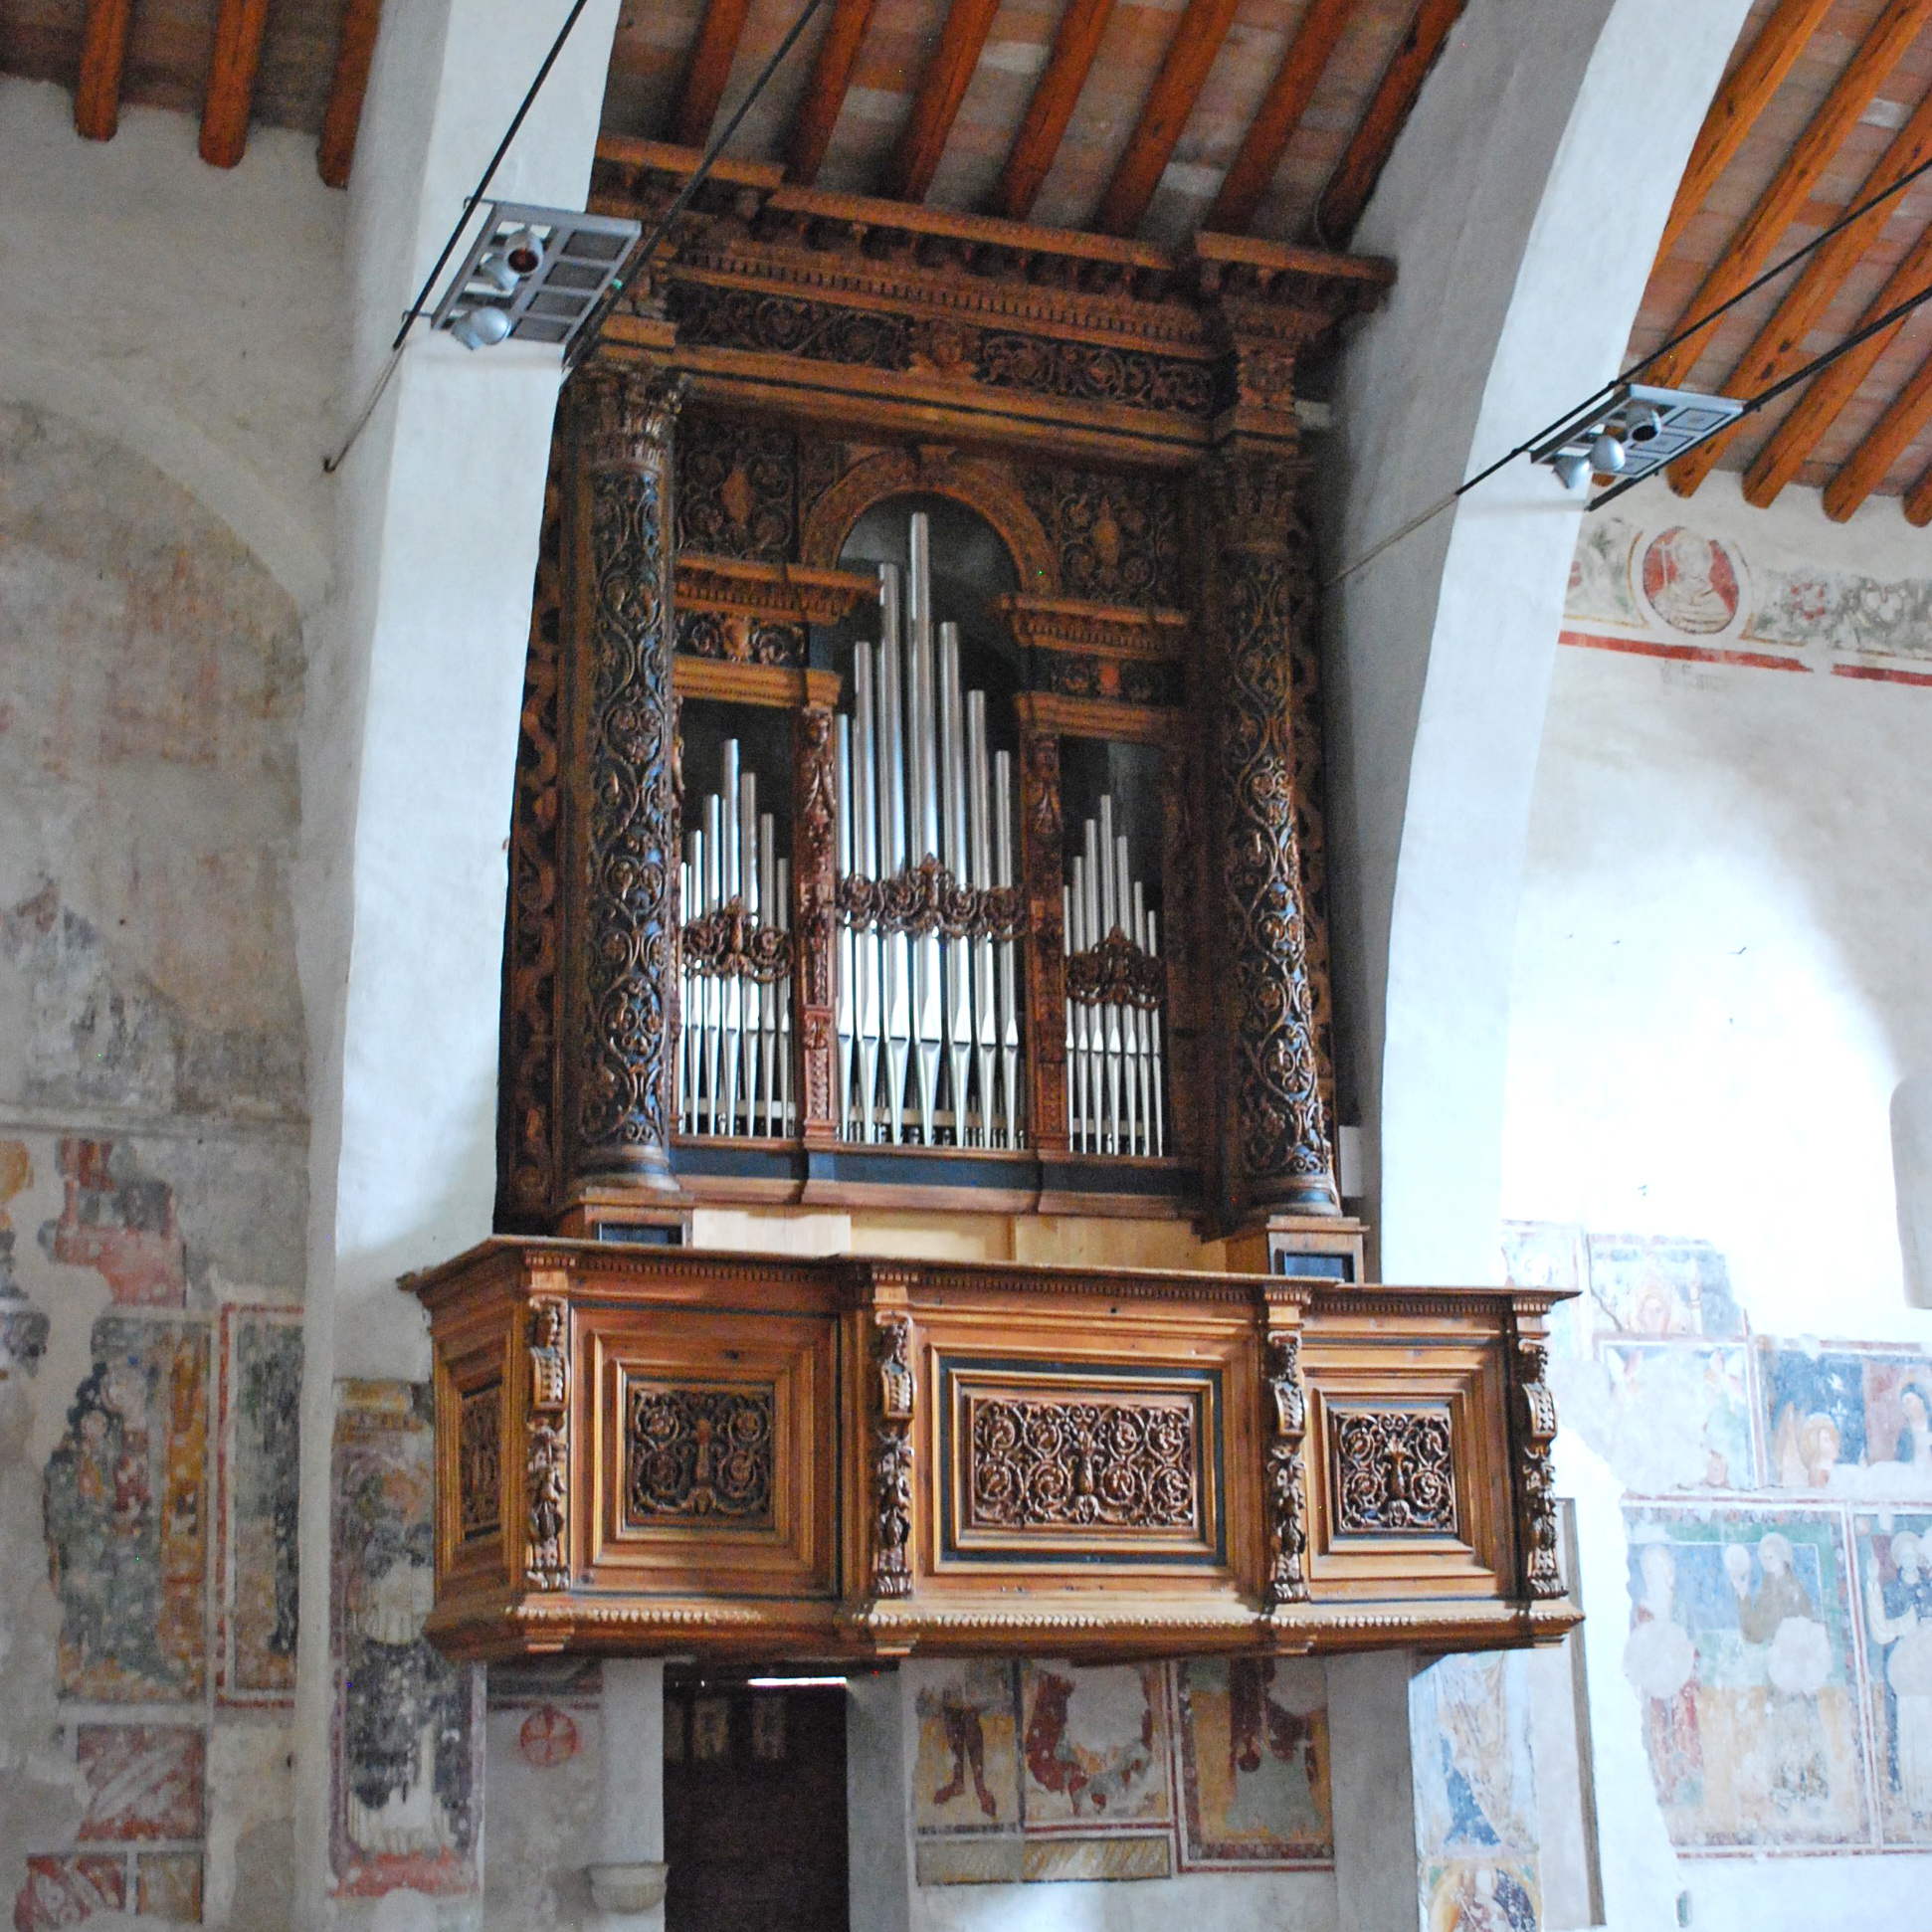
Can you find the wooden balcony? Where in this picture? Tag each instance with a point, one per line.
(747, 1456)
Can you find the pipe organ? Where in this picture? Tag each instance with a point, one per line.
(918, 817)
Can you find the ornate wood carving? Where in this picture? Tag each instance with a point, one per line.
(892, 1459)
(1533, 1416)
(1392, 1471)
(695, 1451)
(547, 1555)
(480, 1462)
(1182, 897)
(1117, 537)
(526, 1134)
(1130, 1462)
(1278, 1149)
(625, 976)
(728, 943)
(1045, 977)
(927, 898)
(737, 489)
(815, 888)
(1287, 1518)
(736, 637)
(1116, 971)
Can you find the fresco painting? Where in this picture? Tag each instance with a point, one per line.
(1252, 1757)
(1660, 1285)
(1094, 1744)
(1680, 1416)
(145, 1781)
(1894, 1556)
(1741, 1652)
(1550, 1255)
(408, 1734)
(260, 1505)
(1848, 1422)
(124, 1507)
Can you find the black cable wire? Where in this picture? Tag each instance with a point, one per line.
(639, 259)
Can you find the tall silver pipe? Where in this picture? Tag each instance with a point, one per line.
(1138, 1019)
(1155, 1069)
(745, 1098)
(768, 989)
(992, 1129)
(1105, 1104)
(844, 1000)
(891, 803)
(782, 999)
(956, 954)
(865, 860)
(1079, 1081)
(713, 987)
(1123, 899)
(1005, 958)
(686, 1017)
(927, 993)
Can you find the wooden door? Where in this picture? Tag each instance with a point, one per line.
(755, 1809)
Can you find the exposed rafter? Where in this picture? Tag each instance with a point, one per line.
(1075, 41)
(1184, 72)
(239, 28)
(103, 51)
(1780, 204)
(1281, 112)
(342, 119)
(1884, 443)
(942, 87)
(1792, 444)
(1918, 501)
(707, 71)
(1781, 345)
(1360, 169)
(1746, 92)
(825, 93)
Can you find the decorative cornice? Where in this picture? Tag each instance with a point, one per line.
(789, 593)
(1115, 630)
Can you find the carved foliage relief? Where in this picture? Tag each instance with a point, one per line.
(893, 1460)
(1392, 1471)
(479, 1461)
(630, 810)
(1118, 537)
(1132, 1462)
(1287, 1581)
(1534, 1420)
(546, 1557)
(697, 1453)
(737, 491)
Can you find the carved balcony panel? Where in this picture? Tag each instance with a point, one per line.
(738, 1457)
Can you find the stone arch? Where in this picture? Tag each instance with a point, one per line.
(981, 486)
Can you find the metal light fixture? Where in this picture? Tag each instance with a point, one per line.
(1631, 432)
(535, 275)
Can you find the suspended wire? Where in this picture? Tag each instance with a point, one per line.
(1663, 348)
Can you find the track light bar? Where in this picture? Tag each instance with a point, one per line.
(533, 275)
(1631, 432)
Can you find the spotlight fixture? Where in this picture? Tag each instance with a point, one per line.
(1631, 432)
(535, 275)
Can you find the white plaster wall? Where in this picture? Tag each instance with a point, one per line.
(1720, 981)
(1522, 203)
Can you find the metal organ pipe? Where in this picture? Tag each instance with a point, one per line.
(934, 1039)
(1116, 1068)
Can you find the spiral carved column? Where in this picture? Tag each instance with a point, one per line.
(621, 814)
(1277, 1149)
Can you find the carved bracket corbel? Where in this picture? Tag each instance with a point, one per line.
(1532, 1419)
(1287, 1424)
(547, 1555)
(892, 1459)
(1116, 972)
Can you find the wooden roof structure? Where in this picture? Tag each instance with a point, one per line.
(1148, 119)
(1827, 105)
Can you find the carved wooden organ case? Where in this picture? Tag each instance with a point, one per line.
(919, 787)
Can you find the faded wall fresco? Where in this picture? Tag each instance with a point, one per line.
(1779, 1575)
(1045, 1770)
(152, 1197)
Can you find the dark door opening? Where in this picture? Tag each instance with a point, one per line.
(755, 1809)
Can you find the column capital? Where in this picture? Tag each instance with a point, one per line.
(626, 412)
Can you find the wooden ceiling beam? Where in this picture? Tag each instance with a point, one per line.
(355, 48)
(707, 71)
(825, 93)
(1779, 346)
(1164, 114)
(1884, 443)
(1918, 501)
(1075, 41)
(1791, 445)
(239, 27)
(1745, 93)
(1781, 203)
(103, 51)
(1389, 108)
(936, 107)
(1278, 115)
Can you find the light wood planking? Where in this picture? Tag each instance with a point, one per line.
(1375, 136)
(1184, 72)
(708, 69)
(1279, 113)
(942, 87)
(825, 93)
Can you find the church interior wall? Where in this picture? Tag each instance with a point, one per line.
(1717, 995)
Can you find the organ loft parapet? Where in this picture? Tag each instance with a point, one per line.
(919, 815)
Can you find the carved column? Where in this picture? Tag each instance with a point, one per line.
(1276, 1148)
(815, 890)
(1532, 1428)
(1284, 1476)
(621, 928)
(1040, 870)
